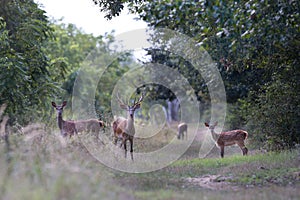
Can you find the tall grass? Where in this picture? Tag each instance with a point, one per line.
(42, 165)
(47, 168)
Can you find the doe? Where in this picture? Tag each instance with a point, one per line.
(71, 127)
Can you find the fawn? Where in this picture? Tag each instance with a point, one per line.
(229, 138)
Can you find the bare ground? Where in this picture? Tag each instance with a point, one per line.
(214, 182)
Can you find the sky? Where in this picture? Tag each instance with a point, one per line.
(86, 15)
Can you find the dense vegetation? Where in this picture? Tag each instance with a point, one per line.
(39, 61)
(256, 45)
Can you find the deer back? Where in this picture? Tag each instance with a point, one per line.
(68, 127)
(182, 127)
(94, 124)
(88, 125)
(231, 137)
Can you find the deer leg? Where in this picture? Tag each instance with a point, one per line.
(115, 140)
(125, 146)
(243, 148)
(245, 151)
(222, 151)
(122, 142)
(63, 133)
(131, 145)
(131, 148)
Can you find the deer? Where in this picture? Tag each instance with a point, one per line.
(182, 128)
(71, 127)
(123, 128)
(229, 138)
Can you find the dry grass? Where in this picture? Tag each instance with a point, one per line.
(42, 165)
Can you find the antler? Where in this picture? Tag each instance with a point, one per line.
(135, 103)
(120, 100)
(140, 100)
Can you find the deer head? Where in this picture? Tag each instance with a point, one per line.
(130, 108)
(59, 108)
(211, 127)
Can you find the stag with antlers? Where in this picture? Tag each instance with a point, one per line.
(124, 127)
(229, 138)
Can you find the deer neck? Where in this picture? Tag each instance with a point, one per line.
(60, 121)
(214, 134)
(130, 125)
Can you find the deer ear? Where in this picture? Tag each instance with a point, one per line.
(53, 104)
(64, 103)
(123, 106)
(206, 124)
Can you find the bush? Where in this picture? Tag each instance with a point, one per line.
(274, 116)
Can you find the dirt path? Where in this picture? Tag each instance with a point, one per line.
(214, 182)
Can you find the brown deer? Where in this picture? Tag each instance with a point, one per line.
(72, 127)
(182, 128)
(229, 138)
(124, 128)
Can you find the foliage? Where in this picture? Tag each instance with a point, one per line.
(232, 34)
(276, 114)
(40, 61)
(77, 50)
(185, 68)
(67, 51)
(69, 48)
(114, 8)
(26, 83)
(256, 45)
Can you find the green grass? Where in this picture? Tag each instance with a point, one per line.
(278, 169)
(45, 168)
(278, 176)
(267, 158)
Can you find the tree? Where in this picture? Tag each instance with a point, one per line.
(114, 8)
(76, 50)
(25, 79)
(67, 50)
(256, 44)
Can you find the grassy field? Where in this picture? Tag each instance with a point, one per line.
(41, 165)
